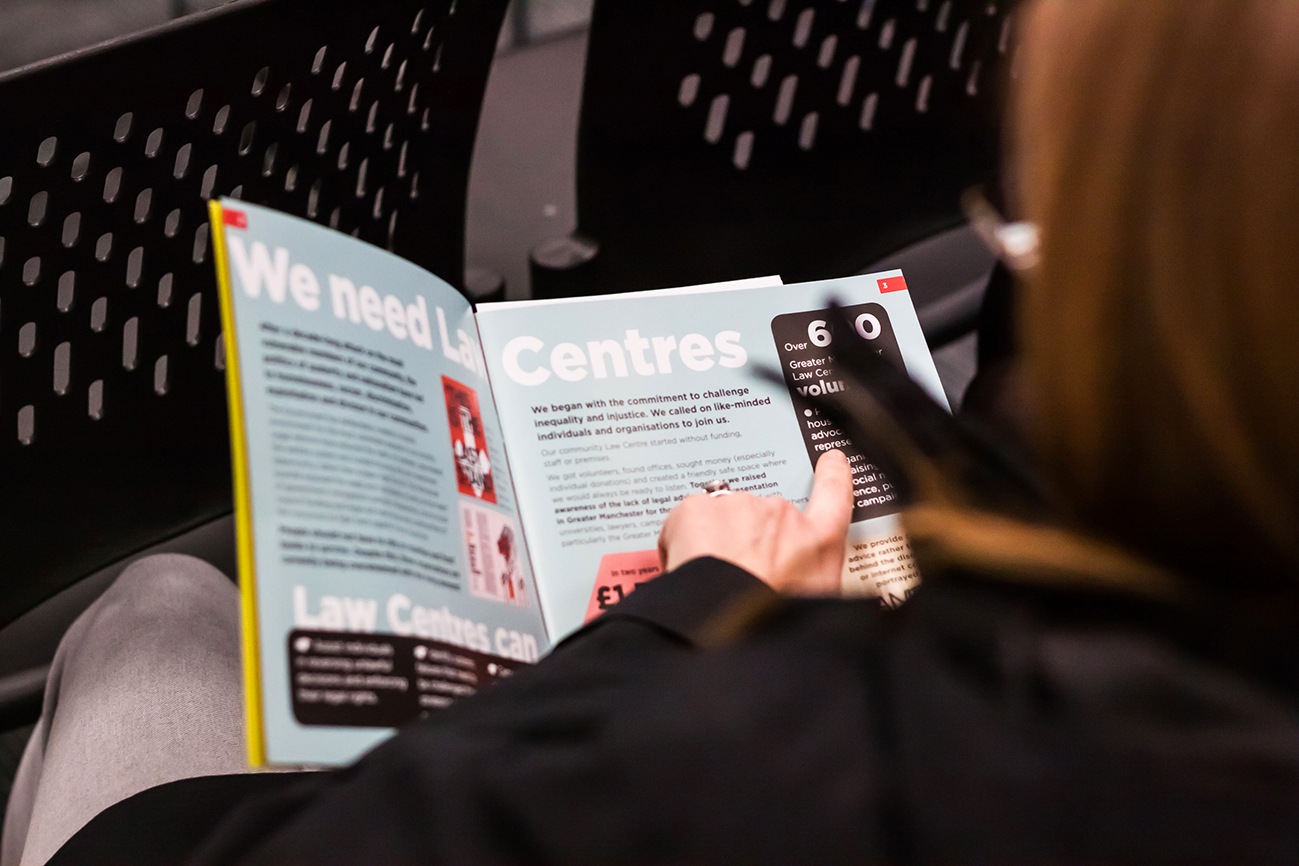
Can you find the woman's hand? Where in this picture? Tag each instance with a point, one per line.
(797, 552)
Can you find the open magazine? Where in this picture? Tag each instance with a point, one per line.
(429, 498)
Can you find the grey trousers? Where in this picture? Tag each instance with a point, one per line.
(145, 689)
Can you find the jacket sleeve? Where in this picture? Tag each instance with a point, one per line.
(429, 788)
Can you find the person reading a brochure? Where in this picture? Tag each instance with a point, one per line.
(1099, 666)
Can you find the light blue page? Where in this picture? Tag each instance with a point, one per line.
(615, 408)
(377, 507)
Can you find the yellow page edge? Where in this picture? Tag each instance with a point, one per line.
(254, 723)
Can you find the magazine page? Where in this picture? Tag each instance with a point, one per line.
(616, 408)
(382, 564)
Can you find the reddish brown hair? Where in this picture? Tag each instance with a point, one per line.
(1156, 144)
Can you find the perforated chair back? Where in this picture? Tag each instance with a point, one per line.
(360, 116)
(729, 138)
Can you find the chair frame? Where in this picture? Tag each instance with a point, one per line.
(113, 429)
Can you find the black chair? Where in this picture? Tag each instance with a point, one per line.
(721, 139)
(113, 435)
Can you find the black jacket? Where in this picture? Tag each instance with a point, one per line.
(706, 720)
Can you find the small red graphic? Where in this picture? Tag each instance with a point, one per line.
(619, 576)
(473, 468)
(892, 284)
(236, 219)
(492, 555)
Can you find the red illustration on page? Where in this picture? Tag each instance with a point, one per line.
(493, 555)
(473, 468)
